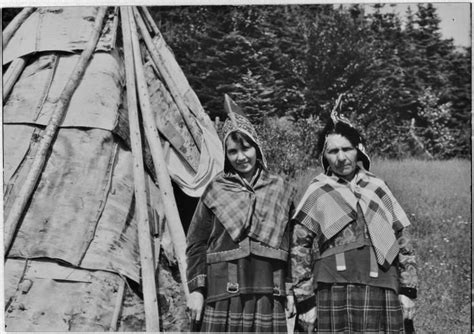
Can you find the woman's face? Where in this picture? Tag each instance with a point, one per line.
(243, 158)
(341, 156)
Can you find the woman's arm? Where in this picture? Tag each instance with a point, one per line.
(197, 240)
(407, 265)
(408, 274)
(301, 267)
(198, 236)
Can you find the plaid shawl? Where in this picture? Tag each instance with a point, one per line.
(330, 203)
(261, 211)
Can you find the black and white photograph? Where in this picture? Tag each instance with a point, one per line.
(230, 166)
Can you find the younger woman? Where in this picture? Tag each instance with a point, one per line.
(238, 240)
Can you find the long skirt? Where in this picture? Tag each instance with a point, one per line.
(245, 313)
(358, 309)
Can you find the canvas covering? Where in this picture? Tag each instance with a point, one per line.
(65, 29)
(93, 200)
(95, 103)
(196, 153)
(77, 240)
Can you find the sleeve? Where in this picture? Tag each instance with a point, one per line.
(301, 265)
(196, 246)
(407, 265)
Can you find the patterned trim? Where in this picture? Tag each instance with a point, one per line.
(407, 265)
(232, 254)
(265, 251)
(197, 282)
(247, 247)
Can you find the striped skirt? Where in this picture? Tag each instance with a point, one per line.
(245, 313)
(358, 309)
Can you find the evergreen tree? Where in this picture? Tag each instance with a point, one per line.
(459, 94)
(258, 55)
(434, 67)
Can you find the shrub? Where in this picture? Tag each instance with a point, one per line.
(290, 146)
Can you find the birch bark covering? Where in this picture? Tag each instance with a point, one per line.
(79, 232)
(60, 29)
(19, 205)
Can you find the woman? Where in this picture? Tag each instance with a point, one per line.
(238, 240)
(352, 262)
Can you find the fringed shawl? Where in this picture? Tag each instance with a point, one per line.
(330, 203)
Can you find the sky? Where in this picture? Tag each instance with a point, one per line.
(455, 19)
(455, 15)
(456, 22)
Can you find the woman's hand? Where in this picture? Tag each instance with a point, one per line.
(195, 305)
(308, 319)
(408, 306)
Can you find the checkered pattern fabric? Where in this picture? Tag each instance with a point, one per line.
(260, 211)
(330, 203)
(352, 308)
(245, 314)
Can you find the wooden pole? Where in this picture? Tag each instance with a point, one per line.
(19, 205)
(12, 74)
(164, 182)
(150, 20)
(15, 24)
(168, 77)
(144, 235)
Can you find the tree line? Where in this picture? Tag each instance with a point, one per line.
(404, 85)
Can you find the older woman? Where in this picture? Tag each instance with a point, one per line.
(238, 241)
(352, 262)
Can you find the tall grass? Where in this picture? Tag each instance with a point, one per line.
(436, 196)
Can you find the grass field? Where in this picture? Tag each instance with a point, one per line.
(437, 198)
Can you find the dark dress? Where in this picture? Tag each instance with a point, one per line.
(244, 280)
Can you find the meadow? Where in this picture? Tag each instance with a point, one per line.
(437, 198)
